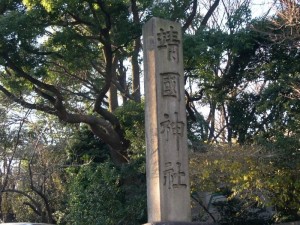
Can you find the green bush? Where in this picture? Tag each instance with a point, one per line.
(104, 195)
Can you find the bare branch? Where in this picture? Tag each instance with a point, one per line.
(191, 16)
(209, 13)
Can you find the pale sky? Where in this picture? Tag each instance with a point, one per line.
(262, 7)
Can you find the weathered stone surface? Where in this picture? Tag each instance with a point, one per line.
(179, 223)
(168, 188)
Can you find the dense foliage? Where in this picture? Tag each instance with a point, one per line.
(98, 197)
(250, 178)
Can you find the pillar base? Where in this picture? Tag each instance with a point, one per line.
(180, 223)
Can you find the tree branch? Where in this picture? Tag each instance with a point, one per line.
(64, 70)
(44, 95)
(19, 72)
(191, 16)
(113, 135)
(33, 208)
(107, 16)
(79, 20)
(27, 105)
(108, 75)
(26, 76)
(35, 203)
(209, 13)
(205, 209)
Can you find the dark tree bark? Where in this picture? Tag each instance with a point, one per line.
(209, 13)
(136, 90)
(113, 91)
(191, 17)
(211, 120)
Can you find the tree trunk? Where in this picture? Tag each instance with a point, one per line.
(211, 121)
(122, 81)
(113, 93)
(227, 123)
(136, 90)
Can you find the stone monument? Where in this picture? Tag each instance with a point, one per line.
(168, 188)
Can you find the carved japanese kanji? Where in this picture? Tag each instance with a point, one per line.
(174, 178)
(170, 84)
(168, 188)
(174, 127)
(169, 40)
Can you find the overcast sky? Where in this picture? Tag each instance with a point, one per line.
(262, 7)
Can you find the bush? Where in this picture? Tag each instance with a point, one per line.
(100, 195)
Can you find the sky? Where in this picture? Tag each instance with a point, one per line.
(261, 7)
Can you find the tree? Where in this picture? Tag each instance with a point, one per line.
(221, 64)
(31, 169)
(285, 22)
(72, 60)
(70, 72)
(282, 29)
(94, 179)
(247, 81)
(63, 58)
(249, 177)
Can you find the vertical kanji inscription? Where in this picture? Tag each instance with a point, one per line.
(174, 176)
(168, 39)
(174, 127)
(170, 84)
(168, 189)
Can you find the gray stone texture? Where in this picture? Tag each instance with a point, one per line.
(168, 188)
(179, 223)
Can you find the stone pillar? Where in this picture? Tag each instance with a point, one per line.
(168, 188)
(181, 223)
